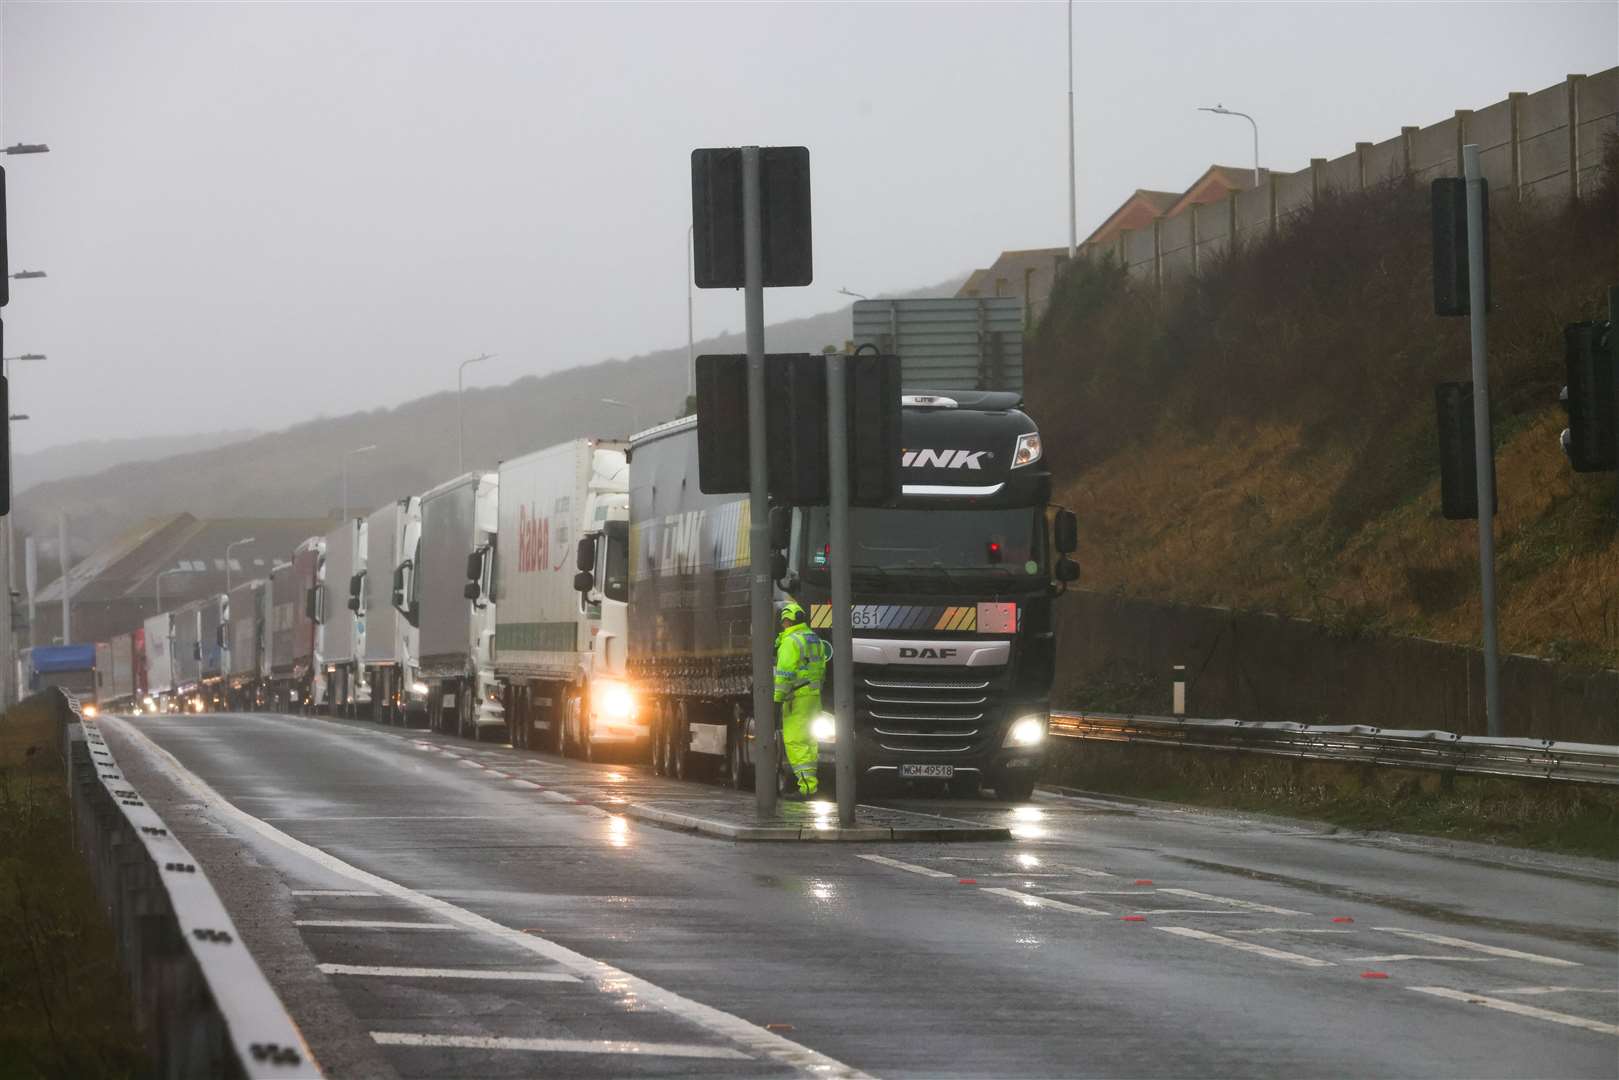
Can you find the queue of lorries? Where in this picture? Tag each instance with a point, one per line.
(590, 598)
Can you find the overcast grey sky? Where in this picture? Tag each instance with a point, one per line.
(255, 213)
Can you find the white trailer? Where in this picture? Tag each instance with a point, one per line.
(448, 591)
(560, 654)
(160, 661)
(247, 670)
(390, 643)
(343, 640)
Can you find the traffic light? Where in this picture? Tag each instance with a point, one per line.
(1591, 397)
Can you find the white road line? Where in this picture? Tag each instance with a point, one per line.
(557, 796)
(1190, 911)
(388, 817)
(1519, 1008)
(1031, 900)
(374, 924)
(1289, 930)
(524, 783)
(560, 1046)
(1246, 905)
(1246, 946)
(1493, 950)
(1085, 870)
(330, 892)
(910, 868)
(1415, 956)
(607, 978)
(1530, 991)
(1096, 892)
(449, 973)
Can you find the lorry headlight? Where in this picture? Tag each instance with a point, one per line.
(418, 689)
(90, 712)
(1026, 731)
(1027, 451)
(824, 728)
(614, 700)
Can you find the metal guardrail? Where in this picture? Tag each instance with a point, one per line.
(205, 1006)
(1544, 759)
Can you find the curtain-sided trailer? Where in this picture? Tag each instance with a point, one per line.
(247, 672)
(343, 633)
(297, 680)
(392, 533)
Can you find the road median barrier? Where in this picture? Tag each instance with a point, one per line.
(203, 1004)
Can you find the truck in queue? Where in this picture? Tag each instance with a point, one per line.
(445, 587)
(391, 534)
(247, 668)
(185, 654)
(213, 621)
(343, 636)
(953, 585)
(560, 650)
(297, 680)
(71, 667)
(159, 637)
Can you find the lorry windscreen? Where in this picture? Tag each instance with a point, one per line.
(1000, 541)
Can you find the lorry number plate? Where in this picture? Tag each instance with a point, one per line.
(933, 772)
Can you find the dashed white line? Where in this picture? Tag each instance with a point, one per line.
(909, 868)
(1492, 950)
(1519, 1008)
(524, 783)
(373, 924)
(1247, 946)
(560, 1046)
(330, 892)
(495, 974)
(1393, 957)
(1289, 930)
(1245, 905)
(1086, 871)
(1095, 892)
(1531, 991)
(1031, 900)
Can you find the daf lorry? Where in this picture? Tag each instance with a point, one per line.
(343, 634)
(446, 587)
(297, 680)
(248, 662)
(392, 533)
(953, 585)
(559, 652)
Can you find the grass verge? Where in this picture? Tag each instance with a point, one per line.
(1543, 815)
(65, 1009)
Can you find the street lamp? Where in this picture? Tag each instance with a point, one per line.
(24, 356)
(460, 424)
(24, 275)
(691, 340)
(1073, 206)
(1221, 110)
(346, 455)
(857, 296)
(635, 413)
(232, 544)
(158, 581)
(26, 148)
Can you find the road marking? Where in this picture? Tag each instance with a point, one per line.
(910, 868)
(524, 783)
(1493, 950)
(389, 817)
(1415, 956)
(374, 924)
(1519, 1008)
(1087, 871)
(449, 973)
(1247, 946)
(1533, 990)
(1191, 911)
(331, 892)
(560, 1046)
(607, 978)
(1093, 892)
(557, 796)
(1289, 930)
(1031, 900)
(1245, 905)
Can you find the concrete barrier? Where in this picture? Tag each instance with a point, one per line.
(202, 1004)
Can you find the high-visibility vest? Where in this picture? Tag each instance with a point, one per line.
(801, 658)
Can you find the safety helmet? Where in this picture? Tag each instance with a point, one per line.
(791, 612)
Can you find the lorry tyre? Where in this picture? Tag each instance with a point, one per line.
(466, 713)
(1017, 786)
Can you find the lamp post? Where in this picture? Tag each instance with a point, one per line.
(1073, 209)
(346, 455)
(24, 275)
(24, 356)
(635, 413)
(1221, 110)
(233, 544)
(158, 581)
(460, 424)
(858, 296)
(26, 148)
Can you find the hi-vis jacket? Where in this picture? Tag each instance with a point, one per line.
(801, 658)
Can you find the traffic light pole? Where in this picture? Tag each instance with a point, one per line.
(764, 635)
(1482, 451)
(837, 445)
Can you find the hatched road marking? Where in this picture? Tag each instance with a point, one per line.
(1392, 957)
(1519, 1008)
(1493, 950)
(910, 868)
(1031, 900)
(611, 980)
(449, 973)
(1245, 905)
(1247, 946)
(560, 1046)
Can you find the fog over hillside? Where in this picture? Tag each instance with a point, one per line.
(94, 455)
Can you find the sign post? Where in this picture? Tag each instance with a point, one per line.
(837, 446)
(1482, 451)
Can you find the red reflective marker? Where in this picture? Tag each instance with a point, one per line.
(1342, 918)
(1134, 918)
(969, 881)
(1374, 974)
(778, 1027)
(1143, 881)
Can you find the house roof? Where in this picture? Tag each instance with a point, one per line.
(1139, 209)
(1216, 183)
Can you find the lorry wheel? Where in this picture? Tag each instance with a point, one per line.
(466, 716)
(1017, 786)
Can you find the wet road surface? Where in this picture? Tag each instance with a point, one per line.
(434, 907)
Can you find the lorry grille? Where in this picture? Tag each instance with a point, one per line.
(930, 710)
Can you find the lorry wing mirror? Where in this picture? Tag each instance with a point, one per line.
(475, 565)
(1067, 571)
(778, 565)
(398, 596)
(471, 592)
(781, 529)
(584, 580)
(1065, 530)
(585, 557)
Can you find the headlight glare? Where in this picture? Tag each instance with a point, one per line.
(419, 689)
(1026, 731)
(614, 700)
(824, 728)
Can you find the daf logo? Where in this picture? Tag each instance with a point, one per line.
(942, 459)
(908, 652)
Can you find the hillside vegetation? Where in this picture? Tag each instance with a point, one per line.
(1263, 437)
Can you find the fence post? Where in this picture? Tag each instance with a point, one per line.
(1515, 114)
(1406, 131)
(1361, 149)
(1573, 92)
(1461, 136)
